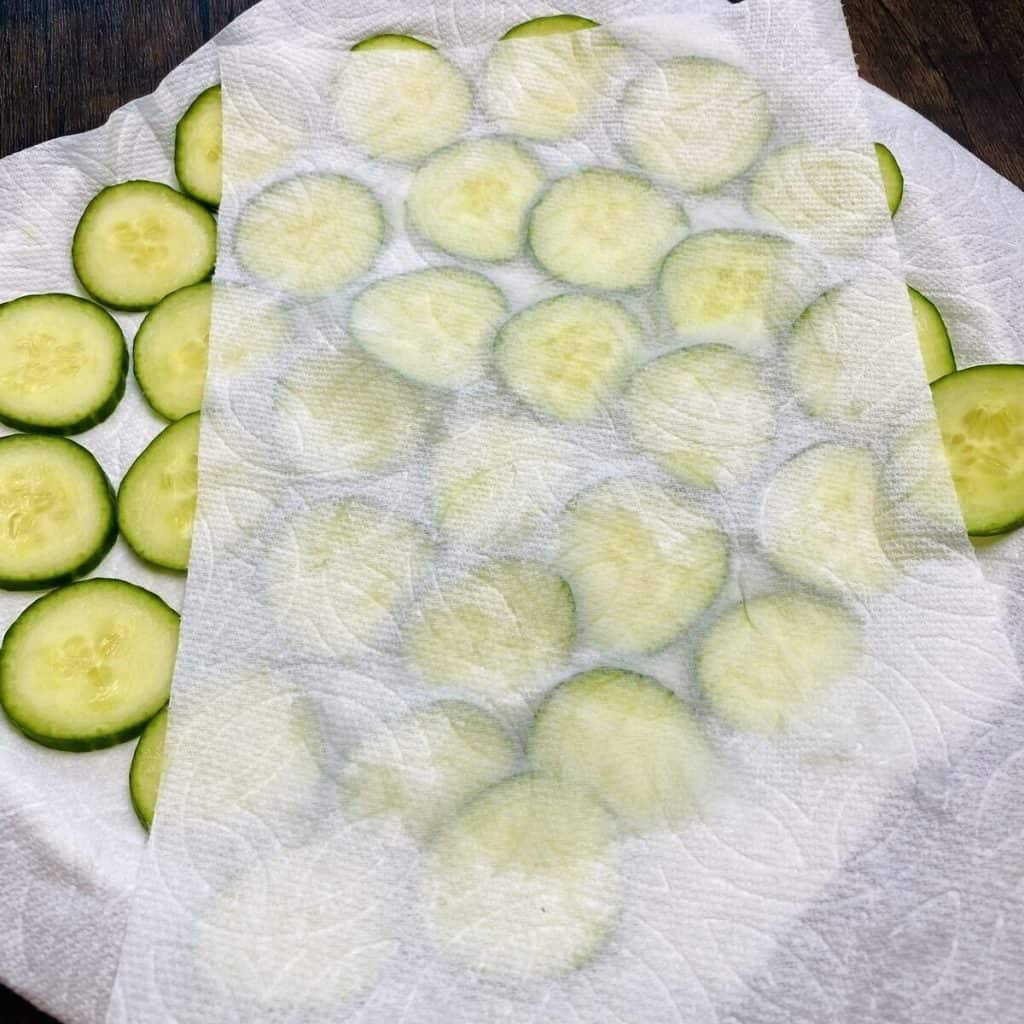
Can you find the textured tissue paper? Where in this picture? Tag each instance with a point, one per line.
(323, 851)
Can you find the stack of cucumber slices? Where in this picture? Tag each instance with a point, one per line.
(89, 664)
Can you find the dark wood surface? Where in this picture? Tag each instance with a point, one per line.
(959, 62)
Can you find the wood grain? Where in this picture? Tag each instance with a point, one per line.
(958, 62)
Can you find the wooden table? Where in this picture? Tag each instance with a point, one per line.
(958, 62)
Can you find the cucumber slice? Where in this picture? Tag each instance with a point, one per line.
(768, 658)
(156, 501)
(918, 478)
(250, 326)
(139, 241)
(342, 568)
(147, 767)
(523, 883)
(932, 336)
(981, 416)
(87, 666)
(695, 122)
(642, 564)
(704, 413)
(57, 518)
(543, 85)
(301, 932)
(198, 147)
(401, 102)
(421, 769)
(629, 741)
(892, 177)
(391, 41)
(568, 356)
(552, 25)
(352, 414)
(433, 326)
(496, 479)
(604, 229)
(499, 630)
(471, 200)
(63, 364)
(832, 195)
(822, 519)
(733, 287)
(311, 234)
(170, 351)
(837, 344)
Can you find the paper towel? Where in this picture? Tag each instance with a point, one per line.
(70, 843)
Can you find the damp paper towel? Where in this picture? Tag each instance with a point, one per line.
(384, 801)
(936, 929)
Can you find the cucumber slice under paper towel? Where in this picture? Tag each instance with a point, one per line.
(523, 883)
(704, 413)
(433, 326)
(544, 85)
(567, 356)
(695, 122)
(471, 200)
(310, 234)
(641, 562)
(63, 363)
(823, 520)
(86, 666)
(602, 228)
(499, 630)
(766, 659)
(628, 740)
(420, 769)
(57, 516)
(400, 102)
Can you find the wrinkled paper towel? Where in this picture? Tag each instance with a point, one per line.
(900, 933)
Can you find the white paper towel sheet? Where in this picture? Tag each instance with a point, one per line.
(70, 844)
(269, 890)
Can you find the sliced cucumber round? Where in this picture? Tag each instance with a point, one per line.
(704, 413)
(767, 658)
(932, 336)
(422, 768)
(497, 478)
(352, 414)
(198, 148)
(734, 287)
(641, 562)
(543, 84)
(147, 767)
(569, 355)
(823, 517)
(604, 229)
(832, 195)
(87, 666)
(918, 477)
(139, 241)
(433, 326)
(391, 41)
(629, 741)
(981, 416)
(156, 501)
(524, 883)
(63, 364)
(695, 122)
(401, 102)
(552, 25)
(892, 177)
(170, 351)
(471, 199)
(339, 571)
(311, 234)
(57, 516)
(500, 630)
